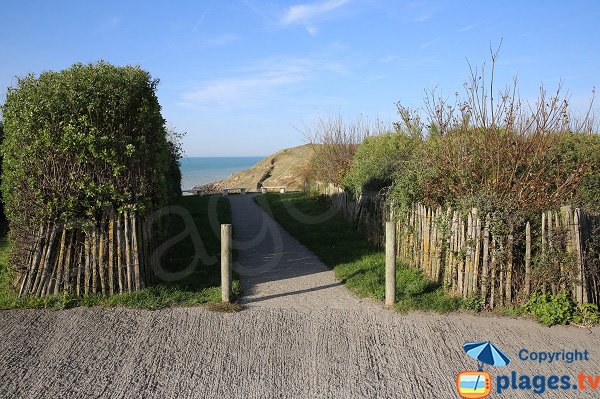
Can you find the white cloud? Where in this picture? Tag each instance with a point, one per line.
(238, 90)
(410, 62)
(110, 24)
(258, 82)
(389, 58)
(312, 30)
(467, 28)
(221, 40)
(305, 13)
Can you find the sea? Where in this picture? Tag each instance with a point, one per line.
(196, 171)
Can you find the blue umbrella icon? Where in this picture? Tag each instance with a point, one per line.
(486, 352)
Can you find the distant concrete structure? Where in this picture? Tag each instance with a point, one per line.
(265, 189)
(226, 191)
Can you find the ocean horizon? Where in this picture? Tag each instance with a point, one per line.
(197, 171)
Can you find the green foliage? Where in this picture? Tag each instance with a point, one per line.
(559, 309)
(473, 303)
(355, 262)
(2, 216)
(512, 311)
(77, 142)
(174, 154)
(551, 309)
(586, 314)
(436, 300)
(583, 151)
(82, 139)
(499, 170)
(376, 160)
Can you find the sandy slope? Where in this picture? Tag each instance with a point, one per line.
(284, 168)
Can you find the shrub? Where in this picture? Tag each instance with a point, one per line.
(586, 314)
(492, 151)
(473, 303)
(583, 150)
(80, 139)
(376, 161)
(79, 142)
(334, 142)
(2, 216)
(551, 309)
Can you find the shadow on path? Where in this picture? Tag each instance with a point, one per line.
(275, 269)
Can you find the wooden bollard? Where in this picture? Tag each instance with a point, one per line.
(390, 263)
(226, 263)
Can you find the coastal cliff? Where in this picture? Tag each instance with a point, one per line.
(284, 168)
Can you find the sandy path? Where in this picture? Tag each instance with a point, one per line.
(302, 336)
(261, 353)
(276, 270)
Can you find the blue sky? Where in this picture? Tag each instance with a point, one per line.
(241, 77)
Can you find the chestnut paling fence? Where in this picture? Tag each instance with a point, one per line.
(113, 256)
(476, 255)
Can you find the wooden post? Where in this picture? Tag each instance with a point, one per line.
(226, 263)
(581, 293)
(528, 259)
(390, 263)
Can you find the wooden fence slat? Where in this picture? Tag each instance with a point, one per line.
(468, 258)
(477, 257)
(509, 266)
(469, 255)
(485, 259)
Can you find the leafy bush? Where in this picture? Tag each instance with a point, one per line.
(551, 309)
(81, 139)
(376, 160)
(583, 150)
(496, 153)
(2, 216)
(473, 302)
(79, 142)
(491, 169)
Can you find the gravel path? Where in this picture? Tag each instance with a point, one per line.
(302, 336)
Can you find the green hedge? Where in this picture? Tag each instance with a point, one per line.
(78, 144)
(81, 139)
(376, 161)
